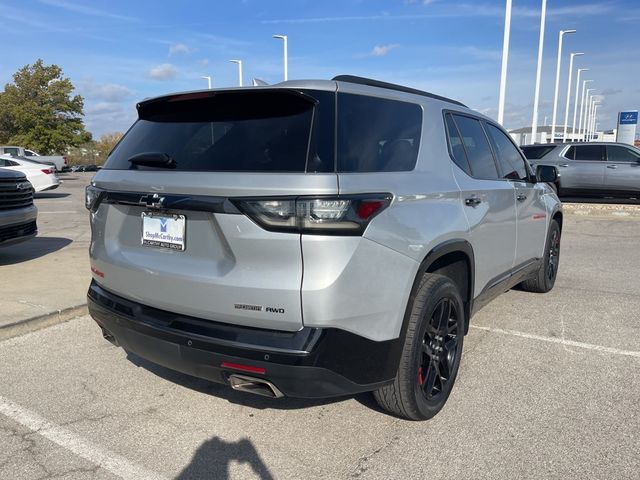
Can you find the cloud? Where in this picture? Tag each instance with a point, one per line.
(382, 50)
(461, 10)
(85, 10)
(470, 51)
(423, 2)
(178, 48)
(104, 117)
(103, 108)
(166, 71)
(611, 91)
(105, 92)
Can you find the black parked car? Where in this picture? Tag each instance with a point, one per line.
(17, 212)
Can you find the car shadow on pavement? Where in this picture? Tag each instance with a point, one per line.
(31, 249)
(213, 457)
(227, 393)
(51, 195)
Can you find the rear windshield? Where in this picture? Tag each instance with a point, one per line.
(536, 153)
(260, 131)
(275, 131)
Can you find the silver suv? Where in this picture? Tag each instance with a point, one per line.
(594, 169)
(315, 238)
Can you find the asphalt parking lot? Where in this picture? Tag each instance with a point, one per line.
(548, 388)
(50, 272)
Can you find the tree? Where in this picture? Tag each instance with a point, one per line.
(38, 110)
(106, 144)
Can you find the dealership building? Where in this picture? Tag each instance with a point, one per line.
(522, 136)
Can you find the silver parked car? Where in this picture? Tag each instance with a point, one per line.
(315, 238)
(591, 169)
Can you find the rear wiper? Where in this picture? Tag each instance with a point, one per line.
(153, 159)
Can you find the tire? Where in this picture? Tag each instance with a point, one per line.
(425, 374)
(545, 277)
(555, 188)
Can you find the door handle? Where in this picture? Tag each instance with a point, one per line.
(521, 197)
(472, 201)
(564, 165)
(612, 166)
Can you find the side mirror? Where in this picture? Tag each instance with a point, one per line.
(546, 174)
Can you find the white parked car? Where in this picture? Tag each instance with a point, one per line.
(59, 161)
(42, 177)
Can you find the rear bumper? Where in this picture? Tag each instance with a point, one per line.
(309, 363)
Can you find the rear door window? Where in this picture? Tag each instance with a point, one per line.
(260, 131)
(509, 157)
(477, 148)
(377, 134)
(587, 152)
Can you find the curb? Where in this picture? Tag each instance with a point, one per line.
(601, 210)
(41, 321)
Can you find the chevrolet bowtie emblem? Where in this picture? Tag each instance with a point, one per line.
(152, 201)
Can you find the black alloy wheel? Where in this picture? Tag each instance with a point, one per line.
(439, 348)
(553, 254)
(431, 353)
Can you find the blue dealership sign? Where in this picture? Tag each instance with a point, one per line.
(628, 118)
(627, 122)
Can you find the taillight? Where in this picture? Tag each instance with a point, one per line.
(47, 171)
(340, 215)
(65, 160)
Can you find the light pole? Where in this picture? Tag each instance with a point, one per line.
(208, 79)
(584, 86)
(555, 95)
(536, 96)
(285, 40)
(593, 120)
(575, 105)
(566, 109)
(589, 113)
(239, 62)
(505, 62)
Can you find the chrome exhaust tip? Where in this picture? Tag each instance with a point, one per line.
(254, 385)
(107, 335)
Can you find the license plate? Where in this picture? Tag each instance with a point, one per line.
(164, 231)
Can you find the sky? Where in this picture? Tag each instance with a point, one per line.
(118, 52)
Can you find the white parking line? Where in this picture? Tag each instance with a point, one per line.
(561, 341)
(106, 459)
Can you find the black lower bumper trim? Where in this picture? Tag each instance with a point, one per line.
(18, 232)
(310, 363)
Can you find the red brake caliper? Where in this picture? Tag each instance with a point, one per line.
(420, 378)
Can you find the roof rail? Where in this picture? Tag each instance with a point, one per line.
(392, 86)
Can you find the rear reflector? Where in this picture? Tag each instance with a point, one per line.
(97, 272)
(243, 368)
(368, 208)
